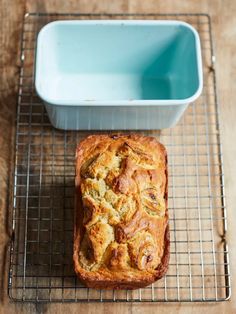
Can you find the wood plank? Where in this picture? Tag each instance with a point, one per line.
(224, 31)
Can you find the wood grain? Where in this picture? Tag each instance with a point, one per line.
(224, 32)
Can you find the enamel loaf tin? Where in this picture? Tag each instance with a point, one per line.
(117, 74)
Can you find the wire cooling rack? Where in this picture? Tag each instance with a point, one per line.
(41, 266)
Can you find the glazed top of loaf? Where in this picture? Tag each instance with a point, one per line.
(122, 182)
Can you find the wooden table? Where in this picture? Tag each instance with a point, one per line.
(224, 33)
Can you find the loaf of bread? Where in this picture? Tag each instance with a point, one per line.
(121, 236)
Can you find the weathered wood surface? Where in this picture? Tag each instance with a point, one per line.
(224, 31)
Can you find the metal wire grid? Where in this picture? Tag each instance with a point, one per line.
(41, 266)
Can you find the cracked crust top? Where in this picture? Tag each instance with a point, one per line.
(121, 237)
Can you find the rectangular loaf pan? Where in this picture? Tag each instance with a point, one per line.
(117, 74)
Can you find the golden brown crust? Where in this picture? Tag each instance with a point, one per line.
(121, 235)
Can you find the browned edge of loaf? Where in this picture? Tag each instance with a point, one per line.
(78, 218)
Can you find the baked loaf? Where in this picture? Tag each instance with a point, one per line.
(121, 236)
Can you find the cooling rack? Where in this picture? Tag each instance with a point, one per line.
(41, 268)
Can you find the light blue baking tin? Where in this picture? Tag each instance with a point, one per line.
(117, 74)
